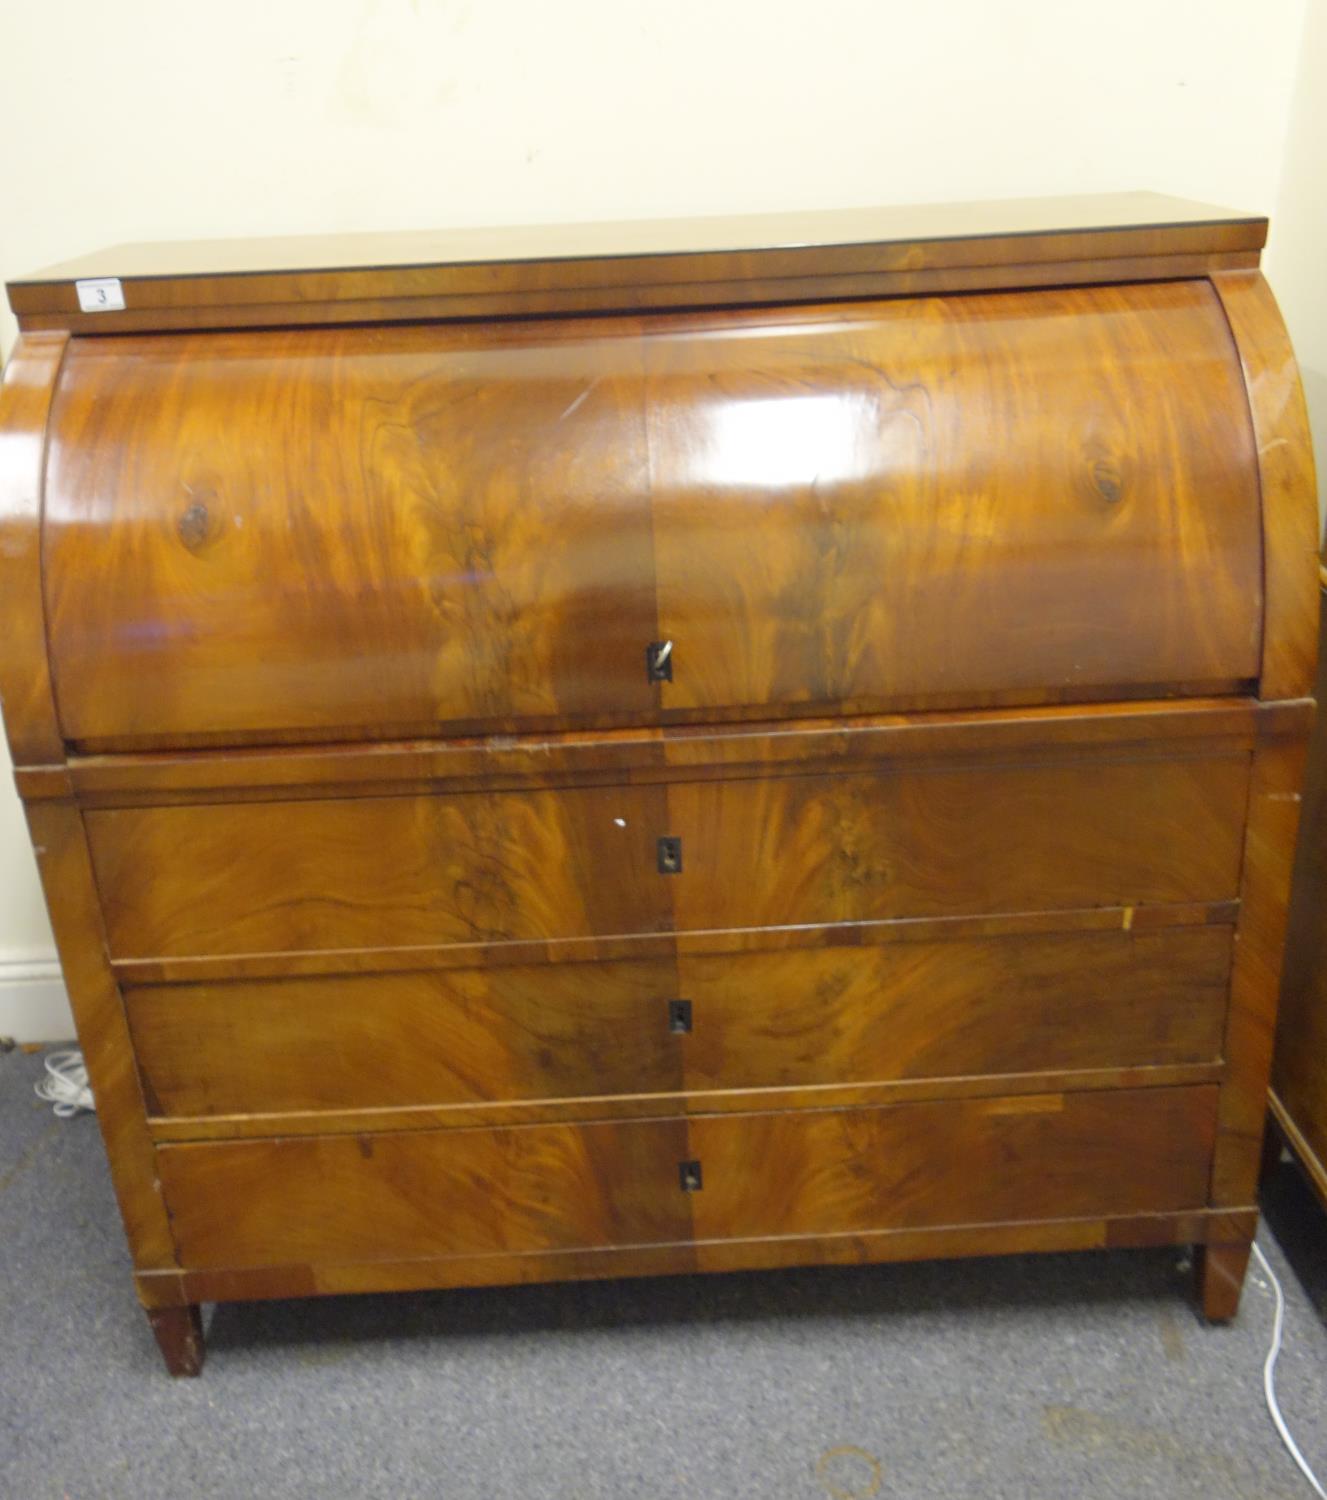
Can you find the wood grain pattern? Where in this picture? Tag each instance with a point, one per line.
(788, 937)
(839, 1171)
(716, 261)
(103, 1034)
(1299, 1071)
(991, 619)
(378, 1041)
(942, 843)
(580, 1109)
(409, 524)
(549, 1187)
(389, 872)
(340, 305)
(402, 872)
(392, 530)
(1196, 1226)
(1269, 851)
(491, 1192)
(761, 1020)
(25, 680)
(1289, 487)
(659, 754)
(923, 531)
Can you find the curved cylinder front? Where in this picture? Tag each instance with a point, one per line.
(1021, 497)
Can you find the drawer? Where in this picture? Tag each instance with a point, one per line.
(543, 1188)
(476, 870)
(802, 1017)
(382, 531)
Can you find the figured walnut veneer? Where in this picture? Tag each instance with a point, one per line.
(429, 922)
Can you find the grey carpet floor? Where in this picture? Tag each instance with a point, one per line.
(1061, 1376)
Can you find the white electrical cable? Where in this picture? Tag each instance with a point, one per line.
(1269, 1375)
(66, 1084)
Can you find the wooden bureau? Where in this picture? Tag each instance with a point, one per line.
(653, 748)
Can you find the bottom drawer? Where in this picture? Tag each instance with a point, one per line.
(539, 1188)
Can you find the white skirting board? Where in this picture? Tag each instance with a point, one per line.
(33, 1004)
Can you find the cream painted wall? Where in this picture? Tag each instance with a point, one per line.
(1296, 258)
(156, 119)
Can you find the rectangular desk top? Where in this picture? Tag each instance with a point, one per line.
(636, 265)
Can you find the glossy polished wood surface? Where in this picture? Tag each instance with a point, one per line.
(25, 676)
(1026, 496)
(954, 498)
(921, 1010)
(1286, 476)
(550, 1187)
(402, 872)
(578, 268)
(409, 526)
(930, 902)
(645, 756)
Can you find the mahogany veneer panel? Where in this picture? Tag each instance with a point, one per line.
(1015, 495)
(396, 872)
(756, 1020)
(560, 1187)
(954, 497)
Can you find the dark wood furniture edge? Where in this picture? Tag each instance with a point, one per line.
(1219, 1269)
(385, 767)
(1269, 845)
(1298, 1095)
(581, 1109)
(58, 837)
(1290, 635)
(1287, 481)
(680, 297)
(153, 970)
(638, 755)
(26, 691)
(65, 867)
(1310, 1163)
(179, 1334)
(535, 271)
(1196, 1226)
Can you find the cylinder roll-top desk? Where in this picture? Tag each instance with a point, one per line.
(636, 749)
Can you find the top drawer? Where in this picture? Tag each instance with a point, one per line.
(1025, 496)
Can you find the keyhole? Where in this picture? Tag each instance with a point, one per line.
(659, 661)
(670, 856)
(679, 1016)
(688, 1176)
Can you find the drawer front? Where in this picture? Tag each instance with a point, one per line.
(491, 868)
(388, 530)
(841, 1015)
(543, 1188)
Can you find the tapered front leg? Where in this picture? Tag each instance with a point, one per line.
(1220, 1273)
(179, 1334)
